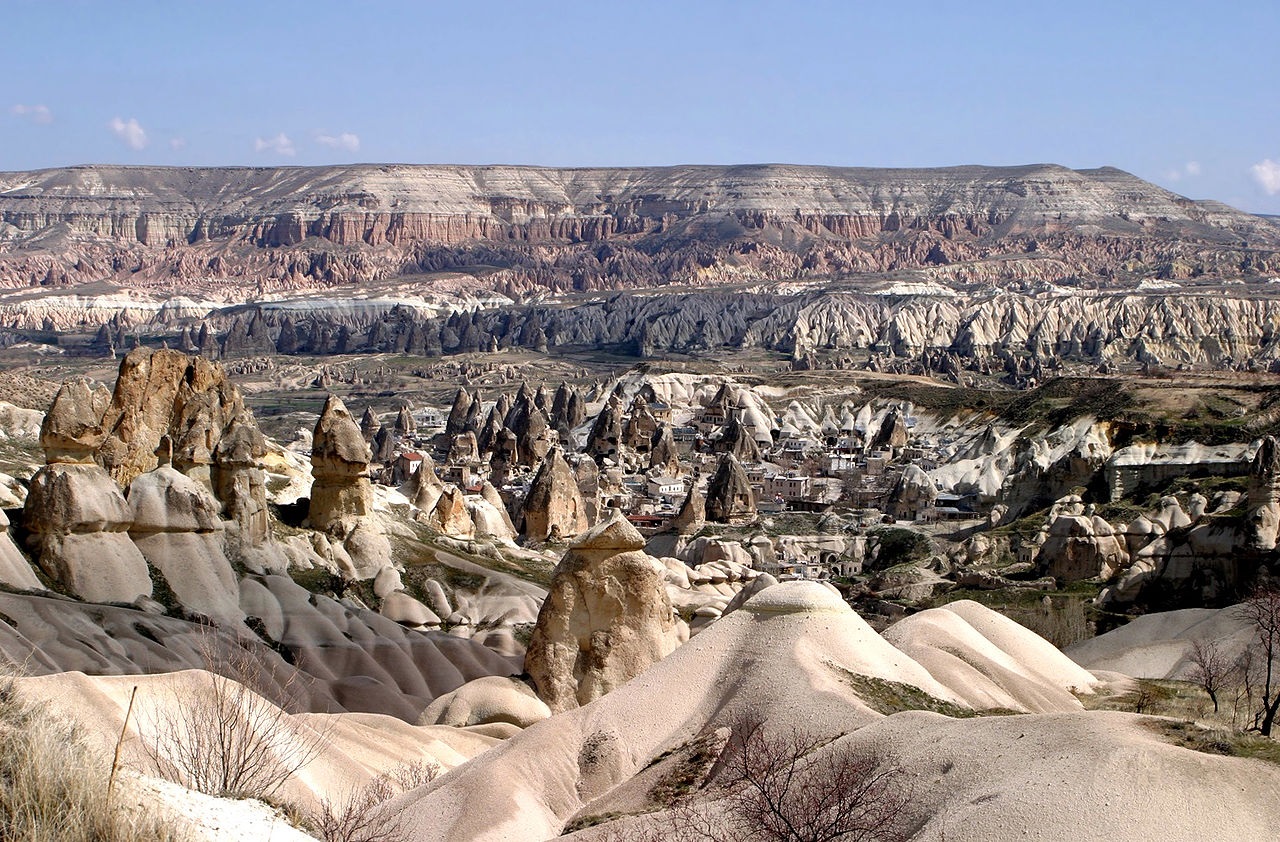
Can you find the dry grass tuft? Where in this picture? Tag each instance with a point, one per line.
(53, 783)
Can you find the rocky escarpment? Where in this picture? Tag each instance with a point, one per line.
(584, 229)
(1018, 335)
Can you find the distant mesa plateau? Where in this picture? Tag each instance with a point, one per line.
(910, 269)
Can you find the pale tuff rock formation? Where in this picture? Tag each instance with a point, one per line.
(485, 701)
(77, 519)
(75, 513)
(464, 450)
(692, 515)
(641, 426)
(1264, 494)
(587, 474)
(798, 652)
(405, 425)
(457, 421)
(425, 487)
(893, 434)
(729, 495)
(72, 428)
(737, 440)
(240, 482)
(450, 516)
(340, 465)
(161, 393)
(553, 509)
(1077, 544)
(176, 524)
(663, 456)
(369, 424)
(912, 494)
(15, 571)
(606, 619)
(341, 496)
(606, 433)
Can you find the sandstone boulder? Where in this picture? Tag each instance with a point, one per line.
(553, 508)
(176, 526)
(606, 619)
(77, 519)
(729, 495)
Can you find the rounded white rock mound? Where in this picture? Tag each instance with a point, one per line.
(797, 598)
(487, 700)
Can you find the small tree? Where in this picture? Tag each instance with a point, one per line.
(1210, 668)
(1262, 610)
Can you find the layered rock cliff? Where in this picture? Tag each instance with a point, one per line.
(585, 229)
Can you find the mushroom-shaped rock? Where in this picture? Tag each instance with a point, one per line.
(606, 619)
(77, 517)
(553, 508)
(340, 465)
(175, 524)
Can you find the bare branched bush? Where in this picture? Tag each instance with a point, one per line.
(53, 784)
(218, 736)
(356, 817)
(789, 786)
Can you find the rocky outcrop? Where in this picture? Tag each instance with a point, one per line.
(729, 495)
(606, 433)
(77, 520)
(606, 619)
(176, 523)
(692, 515)
(450, 516)
(1081, 546)
(912, 495)
(1264, 494)
(341, 496)
(340, 465)
(425, 486)
(553, 509)
(15, 571)
(664, 458)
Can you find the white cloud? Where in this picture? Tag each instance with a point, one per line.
(1267, 173)
(280, 145)
(129, 131)
(35, 113)
(1190, 169)
(348, 141)
(177, 143)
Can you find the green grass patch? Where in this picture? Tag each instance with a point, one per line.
(1216, 740)
(890, 697)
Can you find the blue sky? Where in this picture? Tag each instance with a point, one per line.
(1181, 93)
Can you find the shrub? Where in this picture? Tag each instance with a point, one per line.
(53, 784)
(356, 817)
(218, 736)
